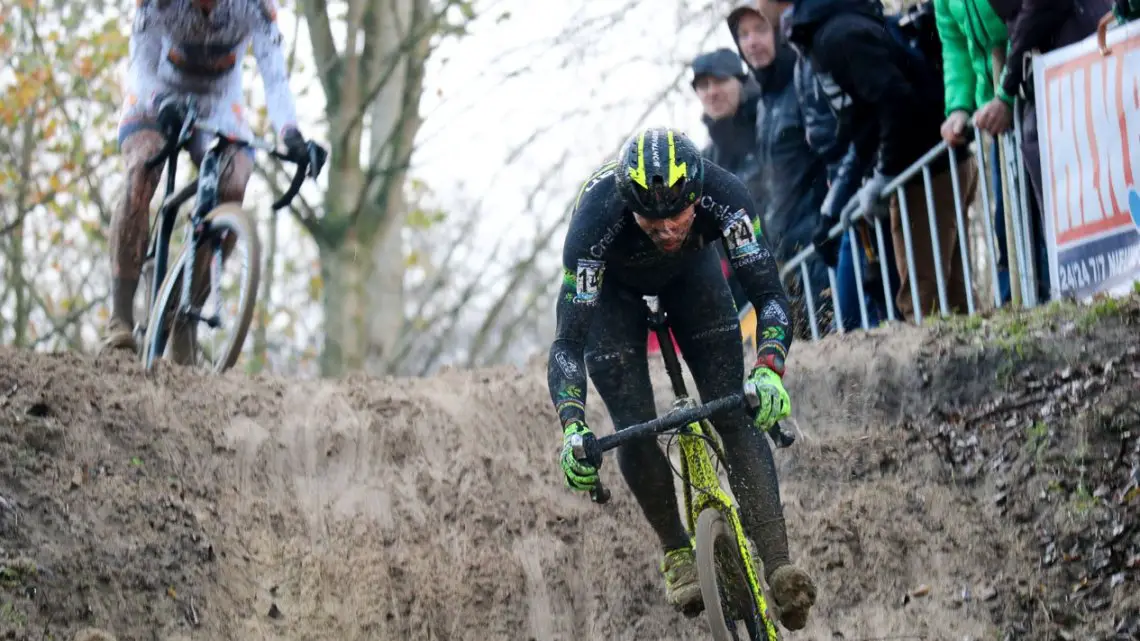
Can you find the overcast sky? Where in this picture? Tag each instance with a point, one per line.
(586, 94)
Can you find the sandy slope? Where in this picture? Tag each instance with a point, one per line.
(184, 507)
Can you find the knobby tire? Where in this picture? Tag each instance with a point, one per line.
(225, 217)
(719, 574)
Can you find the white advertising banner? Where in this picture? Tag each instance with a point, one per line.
(1088, 115)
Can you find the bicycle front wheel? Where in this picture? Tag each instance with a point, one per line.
(169, 330)
(724, 583)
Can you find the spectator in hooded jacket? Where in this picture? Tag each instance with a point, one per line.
(896, 113)
(794, 177)
(1043, 25)
(821, 125)
(729, 98)
(970, 31)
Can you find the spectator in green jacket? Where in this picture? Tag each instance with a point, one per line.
(970, 31)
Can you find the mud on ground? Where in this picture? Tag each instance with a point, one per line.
(977, 480)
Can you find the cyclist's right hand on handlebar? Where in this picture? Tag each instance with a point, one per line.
(580, 475)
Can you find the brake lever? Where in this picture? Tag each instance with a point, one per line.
(316, 160)
(588, 451)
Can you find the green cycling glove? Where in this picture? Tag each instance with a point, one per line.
(580, 475)
(766, 393)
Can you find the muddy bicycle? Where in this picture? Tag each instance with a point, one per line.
(174, 302)
(730, 587)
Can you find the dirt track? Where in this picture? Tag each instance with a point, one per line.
(179, 507)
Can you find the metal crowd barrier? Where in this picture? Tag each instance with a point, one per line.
(1019, 251)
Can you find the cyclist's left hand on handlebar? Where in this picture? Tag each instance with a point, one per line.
(772, 402)
(580, 475)
(301, 150)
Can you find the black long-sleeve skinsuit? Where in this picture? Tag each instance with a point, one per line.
(609, 264)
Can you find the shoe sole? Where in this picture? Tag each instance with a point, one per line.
(691, 604)
(794, 614)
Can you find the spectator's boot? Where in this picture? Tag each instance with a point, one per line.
(794, 593)
(682, 589)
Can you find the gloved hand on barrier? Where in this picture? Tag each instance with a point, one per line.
(580, 475)
(868, 198)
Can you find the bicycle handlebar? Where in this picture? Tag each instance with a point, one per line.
(174, 144)
(590, 450)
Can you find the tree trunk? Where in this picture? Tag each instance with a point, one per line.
(378, 80)
(346, 270)
(385, 299)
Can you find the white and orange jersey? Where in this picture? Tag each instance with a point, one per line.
(176, 47)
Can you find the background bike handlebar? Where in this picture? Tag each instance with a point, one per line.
(174, 143)
(593, 448)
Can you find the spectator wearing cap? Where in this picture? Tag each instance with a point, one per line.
(728, 98)
(794, 177)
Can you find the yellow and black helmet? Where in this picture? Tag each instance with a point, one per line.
(660, 172)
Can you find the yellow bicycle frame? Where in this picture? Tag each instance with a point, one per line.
(699, 476)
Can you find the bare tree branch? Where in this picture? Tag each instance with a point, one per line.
(545, 292)
(307, 216)
(59, 326)
(329, 64)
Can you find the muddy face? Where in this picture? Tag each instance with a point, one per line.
(668, 234)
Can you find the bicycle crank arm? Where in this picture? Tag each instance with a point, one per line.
(213, 321)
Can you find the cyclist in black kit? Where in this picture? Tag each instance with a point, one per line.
(646, 225)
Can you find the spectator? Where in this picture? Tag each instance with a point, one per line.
(896, 110)
(821, 126)
(729, 98)
(794, 177)
(1043, 25)
(1126, 10)
(970, 31)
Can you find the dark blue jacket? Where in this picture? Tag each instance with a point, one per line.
(888, 109)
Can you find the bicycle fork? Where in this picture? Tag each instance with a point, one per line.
(206, 201)
(697, 466)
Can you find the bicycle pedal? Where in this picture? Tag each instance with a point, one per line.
(693, 610)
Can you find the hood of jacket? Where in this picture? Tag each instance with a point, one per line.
(809, 15)
(734, 137)
(776, 75)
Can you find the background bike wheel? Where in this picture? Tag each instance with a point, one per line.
(232, 225)
(724, 585)
(144, 296)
